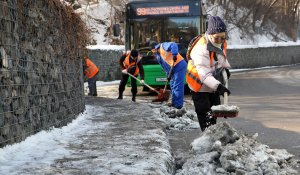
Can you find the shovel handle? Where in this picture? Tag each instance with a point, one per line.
(225, 98)
(144, 83)
(169, 76)
(226, 85)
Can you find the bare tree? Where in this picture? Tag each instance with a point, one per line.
(262, 13)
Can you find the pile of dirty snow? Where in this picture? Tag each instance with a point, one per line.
(178, 119)
(222, 150)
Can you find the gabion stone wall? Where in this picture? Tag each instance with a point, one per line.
(41, 79)
(107, 59)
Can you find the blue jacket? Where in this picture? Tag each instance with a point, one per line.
(178, 73)
(173, 48)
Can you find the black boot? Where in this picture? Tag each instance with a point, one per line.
(203, 126)
(120, 96)
(133, 98)
(202, 122)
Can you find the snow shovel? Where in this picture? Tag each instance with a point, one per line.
(165, 92)
(225, 110)
(161, 96)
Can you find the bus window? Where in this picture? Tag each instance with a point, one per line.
(146, 32)
(181, 29)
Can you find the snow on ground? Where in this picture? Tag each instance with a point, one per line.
(178, 119)
(99, 84)
(106, 47)
(107, 139)
(103, 83)
(222, 150)
(44, 147)
(97, 18)
(264, 43)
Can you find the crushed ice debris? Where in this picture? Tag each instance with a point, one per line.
(178, 119)
(222, 150)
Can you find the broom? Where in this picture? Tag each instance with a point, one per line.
(225, 110)
(162, 95)
(165, 91)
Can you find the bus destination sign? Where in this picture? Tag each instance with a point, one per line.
(148, 11)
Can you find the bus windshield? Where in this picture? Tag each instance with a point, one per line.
(151, 22)
(147, 31)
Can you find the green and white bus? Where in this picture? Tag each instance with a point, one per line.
(157, 21)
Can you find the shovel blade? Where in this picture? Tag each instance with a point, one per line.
(225, 114)
(162, 96)
(225, 111)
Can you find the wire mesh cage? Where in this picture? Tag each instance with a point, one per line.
(41, 80)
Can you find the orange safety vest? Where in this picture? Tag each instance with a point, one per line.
(91, 69)
(128, 65)
(192, 77)
(168, 57)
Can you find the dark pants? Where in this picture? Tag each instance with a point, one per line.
(123, 84)
(92, 85)
(203, 101)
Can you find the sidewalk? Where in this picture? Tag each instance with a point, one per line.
(111, 137)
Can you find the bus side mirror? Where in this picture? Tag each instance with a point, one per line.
(116, 29)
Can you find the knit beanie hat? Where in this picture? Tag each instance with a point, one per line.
(134, 53)
(215, 25)
(152, 45)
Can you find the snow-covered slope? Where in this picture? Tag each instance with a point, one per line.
(99, 16)
(239, 24)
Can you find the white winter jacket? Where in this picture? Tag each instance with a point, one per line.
(201, 59)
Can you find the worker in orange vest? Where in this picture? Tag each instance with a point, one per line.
(91, 72)
(130, 63)
(207, 56)
(172, 63)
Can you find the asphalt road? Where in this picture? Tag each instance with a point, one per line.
(269, 101)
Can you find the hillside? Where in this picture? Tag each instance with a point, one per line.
(247, 23)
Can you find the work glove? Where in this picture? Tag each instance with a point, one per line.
(142, 82)
(174, 58)
(222, 89)
(124, 71)
(228, 73)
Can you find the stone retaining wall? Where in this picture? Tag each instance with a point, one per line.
(263, 56)
(107, 60)
(41, 79)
